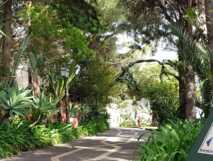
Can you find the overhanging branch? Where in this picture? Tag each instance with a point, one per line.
(144, 61)
(163, 65)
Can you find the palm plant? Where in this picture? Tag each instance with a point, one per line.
(15, 102)
(60, 85)
(60, 88)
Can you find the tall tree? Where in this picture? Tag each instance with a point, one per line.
(57, 37)
(172, 20)
(7, 40)
(209, 25)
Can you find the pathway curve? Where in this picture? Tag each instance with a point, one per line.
(114, 145)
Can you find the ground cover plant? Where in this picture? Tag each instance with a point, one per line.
(18, 136)
(171, 142)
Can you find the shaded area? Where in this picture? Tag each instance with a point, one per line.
(113, 145)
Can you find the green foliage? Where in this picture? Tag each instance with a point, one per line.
(53, 41)
(36, 62)
(15, 102)
(44, 104)
(15, 137)
(110, 12)
(43, 107)
(164, 99)
(59, 85)
(172, 142)
(53, 134)
(76, 41)
(19, 136)
(163, 95)
(82, 14)
(192, 52)
(95, 82)
(40, 16)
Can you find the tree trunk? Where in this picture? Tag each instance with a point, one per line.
(209, 25)
(187, 92)
(7, 40)
(36, 84)
(63, 111)
(187, 87)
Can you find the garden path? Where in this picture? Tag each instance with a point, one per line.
(117, 144)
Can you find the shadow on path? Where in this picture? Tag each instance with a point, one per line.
(114, 145)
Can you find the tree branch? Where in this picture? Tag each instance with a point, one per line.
(125, 70)
(144, 61)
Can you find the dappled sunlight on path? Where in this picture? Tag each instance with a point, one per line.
(114, 145)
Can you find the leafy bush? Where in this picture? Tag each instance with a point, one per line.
(171, 142)
(96, 124)
(19, 136)
(16, 137)
(163, 97)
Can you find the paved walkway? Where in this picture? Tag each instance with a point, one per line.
(113, 145)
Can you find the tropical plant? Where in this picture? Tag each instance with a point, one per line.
(16, 137)
(20, 136)
(43, 107)
(59, 85)
(171, 142)
(44, 103)
(15, 102)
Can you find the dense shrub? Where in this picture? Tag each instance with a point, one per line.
(19, 136)
(163, 97)
(16, 137)
(162, 91)
(172, 142)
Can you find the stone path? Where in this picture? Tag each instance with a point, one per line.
(114, 145)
